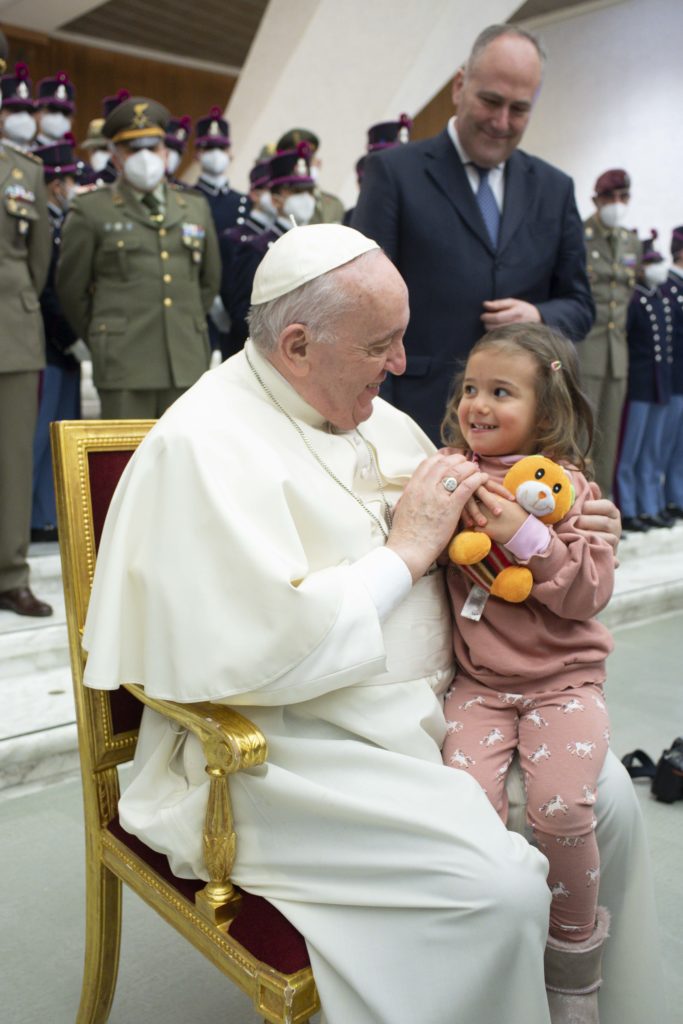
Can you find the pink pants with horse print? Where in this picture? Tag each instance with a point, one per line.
(562, 737)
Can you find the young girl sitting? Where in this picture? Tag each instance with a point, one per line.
(530, 675)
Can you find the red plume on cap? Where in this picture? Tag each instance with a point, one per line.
(185, 122)
(62, 78)
(305, 150)
(650, 254)
(405, 121)
(122, 95)
(21, 70)
(69, 138)
(215, 112)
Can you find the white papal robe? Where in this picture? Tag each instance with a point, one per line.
(234, 568)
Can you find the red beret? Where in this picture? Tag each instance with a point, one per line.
(610, 180)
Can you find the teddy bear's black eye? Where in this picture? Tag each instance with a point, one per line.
(539, 474)
(557, 488)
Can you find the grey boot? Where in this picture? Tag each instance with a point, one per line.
(573, 975)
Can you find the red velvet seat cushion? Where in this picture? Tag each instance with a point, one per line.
(258, 926)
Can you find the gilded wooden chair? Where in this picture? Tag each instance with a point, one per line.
(243, 935)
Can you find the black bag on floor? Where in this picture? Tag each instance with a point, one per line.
(666, 775)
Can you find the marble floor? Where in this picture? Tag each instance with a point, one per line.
(161, 980)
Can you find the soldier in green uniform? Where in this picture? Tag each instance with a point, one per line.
(612, 256)
(329, 209)
(138, 270)
(25, 250)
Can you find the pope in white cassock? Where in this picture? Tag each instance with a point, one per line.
(255, 555)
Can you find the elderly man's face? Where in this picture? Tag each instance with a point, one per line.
(345, 375)
(494, 100)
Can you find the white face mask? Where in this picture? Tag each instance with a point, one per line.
(214, 161)
(20, 127)
(172, 161)
(612, 214)
(300, 206)
(55, 126)
(99, 158)
(655, 273)
(144, 170)
(265, 204)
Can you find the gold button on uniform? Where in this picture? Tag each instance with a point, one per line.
(120, 243)
(610, 325)
(163, 254)
(162, 232)
(167, 278)
(168, 302)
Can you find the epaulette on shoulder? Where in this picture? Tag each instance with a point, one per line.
(22, 152)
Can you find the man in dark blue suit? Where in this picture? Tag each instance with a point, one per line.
(482, 233)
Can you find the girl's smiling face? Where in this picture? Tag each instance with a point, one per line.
(497, 411)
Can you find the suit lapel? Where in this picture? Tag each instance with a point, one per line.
(445, 168)
(520, 182)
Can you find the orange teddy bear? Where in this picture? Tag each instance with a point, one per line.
(543, 489)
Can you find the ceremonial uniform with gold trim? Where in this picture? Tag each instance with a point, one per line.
(612, 257)
(672, 289)
(24, 261)
(136, 287)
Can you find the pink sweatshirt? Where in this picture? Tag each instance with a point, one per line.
(552, 639)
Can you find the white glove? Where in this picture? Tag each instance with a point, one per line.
(80, 351)
(219, 315)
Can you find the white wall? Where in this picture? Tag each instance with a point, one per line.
(613, 97)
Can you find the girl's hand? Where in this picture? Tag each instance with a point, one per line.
(502, 527)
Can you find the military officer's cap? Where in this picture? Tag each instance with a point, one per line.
(612, 180)
(138, 121)
(291, 139)
(389, 133)
(260, 174)
(109, 102)
(292, 168)
(676, 241)
(57, 91)
(177, 133)
(94, 139)
(213, 131)
(17, 88)
(59, 159)
(4, 53)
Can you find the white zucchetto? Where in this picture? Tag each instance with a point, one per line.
(304, 253)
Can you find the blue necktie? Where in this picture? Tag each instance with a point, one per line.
(486, 201)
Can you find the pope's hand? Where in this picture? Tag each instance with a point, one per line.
(426, 517)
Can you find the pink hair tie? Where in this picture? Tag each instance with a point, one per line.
(555, 365)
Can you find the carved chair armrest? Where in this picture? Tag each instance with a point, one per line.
(231, 743)
(226, 736)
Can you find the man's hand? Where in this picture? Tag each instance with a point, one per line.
(485, 502)
(427, 515)
(508, 311)
(601, 516)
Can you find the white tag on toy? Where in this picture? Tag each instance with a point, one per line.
(474, 605)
